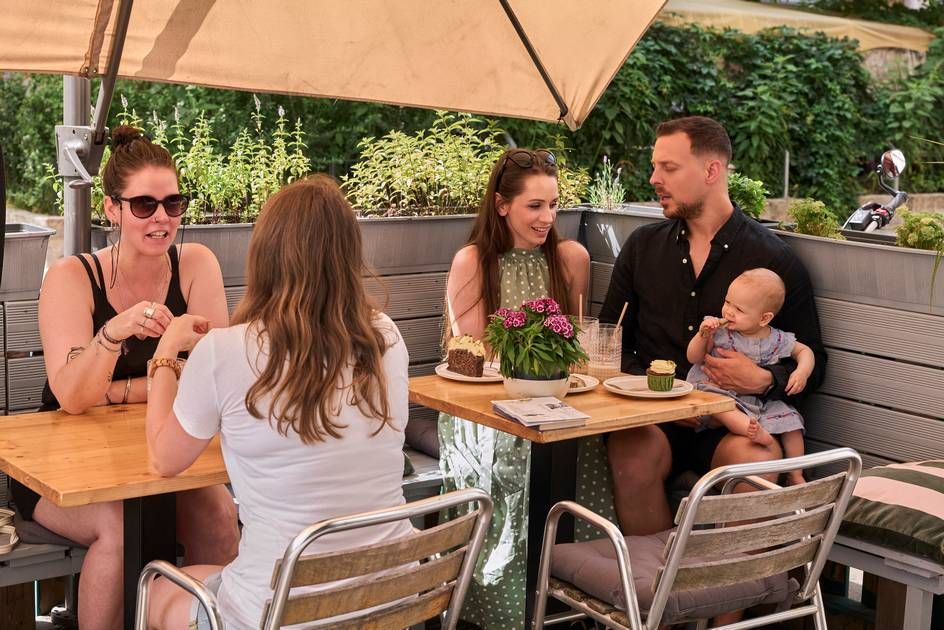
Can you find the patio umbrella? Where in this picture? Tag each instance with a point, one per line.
(539, 59)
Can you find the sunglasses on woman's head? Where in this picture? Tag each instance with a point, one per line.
(143, 206)
(525, 159)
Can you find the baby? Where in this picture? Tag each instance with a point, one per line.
(753, 299)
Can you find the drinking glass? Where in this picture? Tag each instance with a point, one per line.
(583, 338)
(605, 350)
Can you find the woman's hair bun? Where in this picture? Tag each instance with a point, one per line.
(124, 135)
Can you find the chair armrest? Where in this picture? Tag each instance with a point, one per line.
(616, 538)
(188, 583)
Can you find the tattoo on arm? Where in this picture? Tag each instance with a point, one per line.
(74, 351)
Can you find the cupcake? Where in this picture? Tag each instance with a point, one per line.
(661, 376)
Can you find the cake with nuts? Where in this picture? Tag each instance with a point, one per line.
(466, 356)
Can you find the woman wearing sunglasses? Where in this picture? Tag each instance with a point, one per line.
(514, 254)
(100, 318)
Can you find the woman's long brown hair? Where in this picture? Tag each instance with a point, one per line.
(492, 237)
(306, 300)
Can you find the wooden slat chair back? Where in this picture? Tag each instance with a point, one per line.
(384, 587)
(726, 539)
(393, 584)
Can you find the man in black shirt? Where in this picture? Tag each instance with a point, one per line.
(673, 273)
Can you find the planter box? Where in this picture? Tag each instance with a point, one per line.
(228, 242)
(24, 259)
(394, 245)
(868, 273)
(605, 231)
(400, 245)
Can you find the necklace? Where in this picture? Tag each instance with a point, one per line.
(127, 296)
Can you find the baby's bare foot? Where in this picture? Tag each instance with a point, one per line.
(758, 434)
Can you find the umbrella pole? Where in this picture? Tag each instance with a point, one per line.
(80, 141)
(77, 201)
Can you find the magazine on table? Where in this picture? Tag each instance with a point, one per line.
(541, 413)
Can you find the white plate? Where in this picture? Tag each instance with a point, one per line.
(490, 374)
(638, 387)
(582, 383)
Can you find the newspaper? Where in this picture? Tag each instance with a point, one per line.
(542, 413)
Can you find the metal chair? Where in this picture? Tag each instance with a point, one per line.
(382, 577)
(721, 542)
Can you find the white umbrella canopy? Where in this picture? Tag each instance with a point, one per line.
(463, 55)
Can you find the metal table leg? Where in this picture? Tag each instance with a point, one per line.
(150, 534)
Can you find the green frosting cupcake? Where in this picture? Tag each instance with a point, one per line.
(661, 376)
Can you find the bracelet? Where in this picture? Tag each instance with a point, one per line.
(177, 365)
(124, 399)
(98, 340)
(121, 343)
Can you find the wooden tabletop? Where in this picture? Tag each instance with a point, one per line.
(607, 411)
(100, 455)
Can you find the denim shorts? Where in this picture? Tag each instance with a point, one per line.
(199, 619)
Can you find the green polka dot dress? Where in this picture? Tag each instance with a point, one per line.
(473, 456)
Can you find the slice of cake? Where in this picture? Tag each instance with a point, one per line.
(466, 356)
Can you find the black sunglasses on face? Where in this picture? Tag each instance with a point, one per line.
(143, 206)
(525, 159)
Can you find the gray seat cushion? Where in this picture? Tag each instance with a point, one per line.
(591, 567)
(33, 533)
(422, 434)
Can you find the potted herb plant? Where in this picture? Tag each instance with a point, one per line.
(536, 345)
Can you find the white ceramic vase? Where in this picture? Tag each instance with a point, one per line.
(528, 388)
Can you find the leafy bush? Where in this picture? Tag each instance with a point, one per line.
(813, 218)
(749, 194)
(924, 230)
(440, 170)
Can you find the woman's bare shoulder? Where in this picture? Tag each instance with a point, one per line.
(573, 252)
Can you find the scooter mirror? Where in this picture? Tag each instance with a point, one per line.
(893, 163)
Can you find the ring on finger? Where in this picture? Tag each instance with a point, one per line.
(149, 312)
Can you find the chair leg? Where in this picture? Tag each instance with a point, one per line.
(701, 624)
(819, 618)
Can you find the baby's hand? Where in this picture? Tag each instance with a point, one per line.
(796, 382)
(709, 325)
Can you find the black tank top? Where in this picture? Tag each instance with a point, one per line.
(134, 363)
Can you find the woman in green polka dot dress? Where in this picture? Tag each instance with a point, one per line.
(514, 254)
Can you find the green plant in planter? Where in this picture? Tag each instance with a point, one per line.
(607, 190)
(923, 230)
(224, 186)
(436, 171)
(749, 194)
(814, 218)
(535, 340)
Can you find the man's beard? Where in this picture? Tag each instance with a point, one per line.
(686, 211)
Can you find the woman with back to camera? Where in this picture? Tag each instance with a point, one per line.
(100, 317)
(514, 254)
(308, 390)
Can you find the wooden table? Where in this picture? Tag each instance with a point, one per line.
(608, 412)
(554, 453)
(98, 456)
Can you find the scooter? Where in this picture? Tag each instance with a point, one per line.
(874, 216)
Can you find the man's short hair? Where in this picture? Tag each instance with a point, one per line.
(705, 134)
(769, 286)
